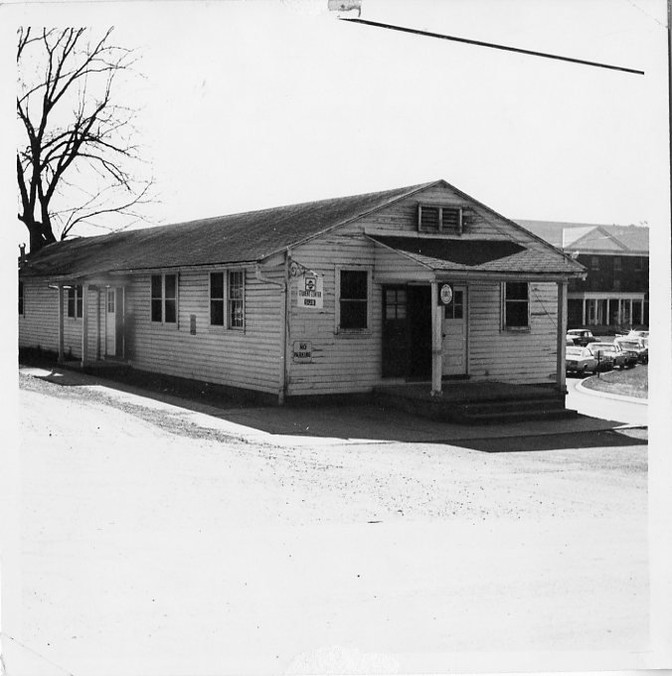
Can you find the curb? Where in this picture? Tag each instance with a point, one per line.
(607, 395)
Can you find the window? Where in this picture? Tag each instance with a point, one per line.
(638, 264)
(440, 219)
(354, 300)
(617, 264)
(75, 302)
(395, 303)
(20, 297)
(516, 305)
(594, 263)
(235, 299)
(164, 299)
(217, 298)
(455, 309)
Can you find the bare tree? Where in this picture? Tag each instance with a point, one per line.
(78, 163)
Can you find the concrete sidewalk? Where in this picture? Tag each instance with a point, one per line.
(320, 425)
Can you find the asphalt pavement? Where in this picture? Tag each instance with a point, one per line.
(602, 405)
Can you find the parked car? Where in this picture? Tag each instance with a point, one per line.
(637, 345)
(604, 353)
(620, 358)
(629, 357)
(644, 335)
(581, 337)
(579, 360)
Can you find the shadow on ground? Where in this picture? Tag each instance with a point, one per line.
(555, 442)
(360, 421)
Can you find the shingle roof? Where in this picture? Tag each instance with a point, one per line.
(634, 238)
(243, 237)
(479, 255)
(253, 236)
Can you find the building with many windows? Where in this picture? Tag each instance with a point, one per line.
(421, 284)
(615, 293)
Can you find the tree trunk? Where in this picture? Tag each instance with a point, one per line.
(40, 235)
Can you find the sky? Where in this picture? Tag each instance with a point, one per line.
(258, 103)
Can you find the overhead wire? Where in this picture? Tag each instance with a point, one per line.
(491, 45)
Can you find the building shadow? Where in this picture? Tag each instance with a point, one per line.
(362, 420)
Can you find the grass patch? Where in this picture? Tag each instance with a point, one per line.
(630, 383)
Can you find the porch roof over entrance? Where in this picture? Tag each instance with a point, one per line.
(478, 255)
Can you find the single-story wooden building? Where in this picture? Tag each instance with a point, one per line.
(421, 283)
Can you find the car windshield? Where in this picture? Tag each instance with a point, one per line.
(629, 344)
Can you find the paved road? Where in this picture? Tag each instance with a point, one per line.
(154, 543)
(599, 405)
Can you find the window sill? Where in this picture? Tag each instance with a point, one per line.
(516, 329)
(215, 328)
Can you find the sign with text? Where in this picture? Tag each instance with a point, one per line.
(311, 291)
(302, 352)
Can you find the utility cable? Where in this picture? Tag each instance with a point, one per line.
(491, 45)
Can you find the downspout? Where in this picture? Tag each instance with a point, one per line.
(284, 323)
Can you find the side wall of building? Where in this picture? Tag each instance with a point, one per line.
(526, 357)
(249, 357)
(38, 325)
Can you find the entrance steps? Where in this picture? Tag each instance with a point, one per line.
(477, 403)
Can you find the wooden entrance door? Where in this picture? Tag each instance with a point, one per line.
(110, 323)
(407, 332)
(455, 334)
(395, 331)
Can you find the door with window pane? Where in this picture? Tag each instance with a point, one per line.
(454, 329)
(395, 331)
(114, 322)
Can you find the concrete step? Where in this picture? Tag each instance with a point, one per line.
(491, 418)
(514, 406)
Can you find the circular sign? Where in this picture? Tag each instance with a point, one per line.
(446, 294)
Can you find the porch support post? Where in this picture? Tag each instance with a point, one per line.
(98, 322)
(123, 321)
(61, 349)
(562, 332)
(583, 312)
(437, 340)
(85, 323)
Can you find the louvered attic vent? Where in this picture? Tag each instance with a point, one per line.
(440, 219)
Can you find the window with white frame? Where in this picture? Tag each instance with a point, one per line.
(448, 219)
(217, 299)
(75, 302)
(235, 299)
(516, 296)
(353, 300)
(164, 298)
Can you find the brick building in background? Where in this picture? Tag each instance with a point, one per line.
(615, 293)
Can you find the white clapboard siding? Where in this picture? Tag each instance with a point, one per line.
(38, 326)
(340, 362)
(514, 357)
(251, 358)
(402, 216)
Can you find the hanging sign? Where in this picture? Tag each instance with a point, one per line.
(446, 294)
(311, 291)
